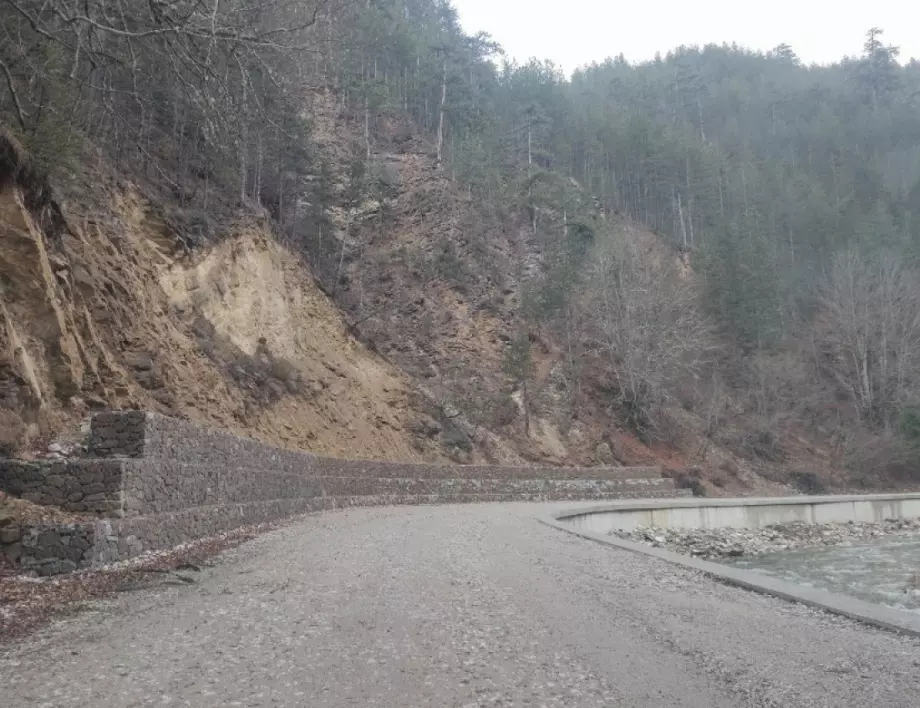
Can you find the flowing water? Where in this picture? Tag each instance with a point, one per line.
(884, 571)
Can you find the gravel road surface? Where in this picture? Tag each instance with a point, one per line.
(453, 606)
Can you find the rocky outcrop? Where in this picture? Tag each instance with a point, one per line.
(106, 308)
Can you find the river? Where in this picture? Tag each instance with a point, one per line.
(878, 571)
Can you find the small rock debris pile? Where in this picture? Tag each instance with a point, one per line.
(715, 544)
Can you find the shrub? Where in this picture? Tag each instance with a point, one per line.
(874, 458)
(807, 482)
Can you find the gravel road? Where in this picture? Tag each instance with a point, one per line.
(453, 606)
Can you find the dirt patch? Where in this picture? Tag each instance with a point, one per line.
(115, 311)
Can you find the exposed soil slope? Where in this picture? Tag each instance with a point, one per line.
(114, 311)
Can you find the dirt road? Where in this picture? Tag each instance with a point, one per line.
(453, 606)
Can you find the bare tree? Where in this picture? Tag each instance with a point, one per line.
(181, 77)
(651, 330)
(871, 332)
(443, 104)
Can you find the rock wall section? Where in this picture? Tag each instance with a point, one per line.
(156, 482)
(92, 487)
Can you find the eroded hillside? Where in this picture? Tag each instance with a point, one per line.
(110, 309)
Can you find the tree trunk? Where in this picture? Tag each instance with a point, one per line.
(257, 186)
(526, 405)
(721, 196)
(338, 270)
(690, 222)
(244, 145)
(367, 129)
(441, 116)
(699, 105)
(533, 206)
(683, 226)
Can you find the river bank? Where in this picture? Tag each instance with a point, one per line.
(715, 544)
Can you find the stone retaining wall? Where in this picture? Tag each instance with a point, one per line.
(382, 470)
(118, 434)
(157, 482)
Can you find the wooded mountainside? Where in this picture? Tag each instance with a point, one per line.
(790, 193)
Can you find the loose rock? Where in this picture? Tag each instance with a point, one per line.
(732, 543)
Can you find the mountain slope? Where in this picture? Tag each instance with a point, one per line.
(439, 285)
(394, 346)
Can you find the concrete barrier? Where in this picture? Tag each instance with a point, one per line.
(594, 523)
(745, 513)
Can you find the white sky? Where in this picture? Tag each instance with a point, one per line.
(575, 32)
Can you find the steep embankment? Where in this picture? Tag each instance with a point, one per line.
(110, 309)
(435, 283)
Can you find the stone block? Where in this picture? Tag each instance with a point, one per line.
(13, 552)
(71, 553)
(53, 497)
(56, 566)
(93, 489)
(10, 534)
(47, 538)
(89, 477)
(81, 542)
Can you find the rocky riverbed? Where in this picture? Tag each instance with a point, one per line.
(715, 544)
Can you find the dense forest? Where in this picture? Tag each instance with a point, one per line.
(792, 191)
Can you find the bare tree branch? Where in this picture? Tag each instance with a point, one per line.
(11, 86)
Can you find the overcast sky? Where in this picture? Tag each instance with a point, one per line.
(576, 32)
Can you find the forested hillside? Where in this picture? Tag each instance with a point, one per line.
(776, 314)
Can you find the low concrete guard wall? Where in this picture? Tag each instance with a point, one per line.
(744, 513)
